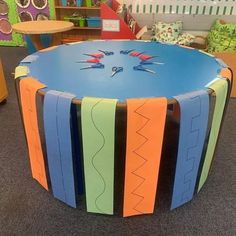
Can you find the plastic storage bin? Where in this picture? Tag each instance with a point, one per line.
(71, 3)
(94, 22)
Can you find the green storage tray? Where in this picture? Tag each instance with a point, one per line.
(77, 21)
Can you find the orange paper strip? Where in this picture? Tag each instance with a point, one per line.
(28, 90)
(226, 73)
(145, 129)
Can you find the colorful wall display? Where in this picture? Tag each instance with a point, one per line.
(8, 17)
(34, 9)
(13, 11)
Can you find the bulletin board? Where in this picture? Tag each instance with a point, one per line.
(8, 17)
(13, 11)
(188, 7)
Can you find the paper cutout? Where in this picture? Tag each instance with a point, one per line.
(57, 106)
(145, 129)
(226, 73)
(194, 109)
(30, 59)
(21, 71)
(28, 90)
(220, 88)
(98, 131)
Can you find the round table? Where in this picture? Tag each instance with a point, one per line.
(178, 64)
(35, 28)
(112, 132)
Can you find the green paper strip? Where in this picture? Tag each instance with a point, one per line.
(221, 88)
(98, 131)
(21, 71)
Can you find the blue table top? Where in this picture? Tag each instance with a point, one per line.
(184, 70)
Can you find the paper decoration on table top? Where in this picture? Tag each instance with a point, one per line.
(220, 88)
(57, 128)
(98, 132)
(21, 71)
(145, 130)
(194, 109)
(28, 90)
(30, 59)
(226, 73)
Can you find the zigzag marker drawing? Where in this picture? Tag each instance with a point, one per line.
(135, 151)
(145, 127)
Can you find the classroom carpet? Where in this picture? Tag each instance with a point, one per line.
(27, 209)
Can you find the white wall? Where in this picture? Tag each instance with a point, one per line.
(191, 22)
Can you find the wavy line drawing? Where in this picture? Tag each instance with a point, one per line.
(96, 153)
(140, 156)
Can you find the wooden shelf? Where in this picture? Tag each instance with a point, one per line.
(87, 28)
(77, 8)
(78, 33)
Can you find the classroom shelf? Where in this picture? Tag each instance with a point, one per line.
(77, 8)
(79, 33)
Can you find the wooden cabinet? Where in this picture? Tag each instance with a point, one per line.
(3, 87)
(78, 33)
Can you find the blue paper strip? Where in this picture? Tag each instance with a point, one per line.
(57, 107)
(194, 110)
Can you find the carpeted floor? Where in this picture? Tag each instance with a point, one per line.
(27, 209)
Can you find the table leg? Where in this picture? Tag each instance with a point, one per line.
(36, 41)
(56, 39)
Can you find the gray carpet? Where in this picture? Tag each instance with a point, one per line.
(27, 209)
